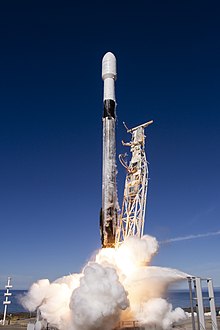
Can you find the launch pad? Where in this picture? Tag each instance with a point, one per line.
(129, 325)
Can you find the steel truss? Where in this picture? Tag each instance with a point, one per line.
(132, 216)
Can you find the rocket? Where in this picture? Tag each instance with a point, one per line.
(109, 211)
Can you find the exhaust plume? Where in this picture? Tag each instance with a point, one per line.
(118, 285)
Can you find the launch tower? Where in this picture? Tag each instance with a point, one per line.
(131, 219)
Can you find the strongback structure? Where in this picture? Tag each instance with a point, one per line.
(132, 216)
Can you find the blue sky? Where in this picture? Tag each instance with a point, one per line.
(51, 129)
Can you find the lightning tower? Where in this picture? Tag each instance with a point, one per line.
(7, 302)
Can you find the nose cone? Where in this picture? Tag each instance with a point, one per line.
(109, 66)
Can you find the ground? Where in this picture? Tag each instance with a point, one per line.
(184, 325)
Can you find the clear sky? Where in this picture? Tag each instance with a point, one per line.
(168, 59)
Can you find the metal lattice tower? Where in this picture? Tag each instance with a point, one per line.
(7, 302)
(131, 219)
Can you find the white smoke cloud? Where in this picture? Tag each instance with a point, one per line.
(158, 314)
(52, 299)
(99, 299)
(118, 285)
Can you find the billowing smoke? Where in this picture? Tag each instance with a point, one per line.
(117, 285)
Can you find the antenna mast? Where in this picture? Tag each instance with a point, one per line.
(7, 302)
